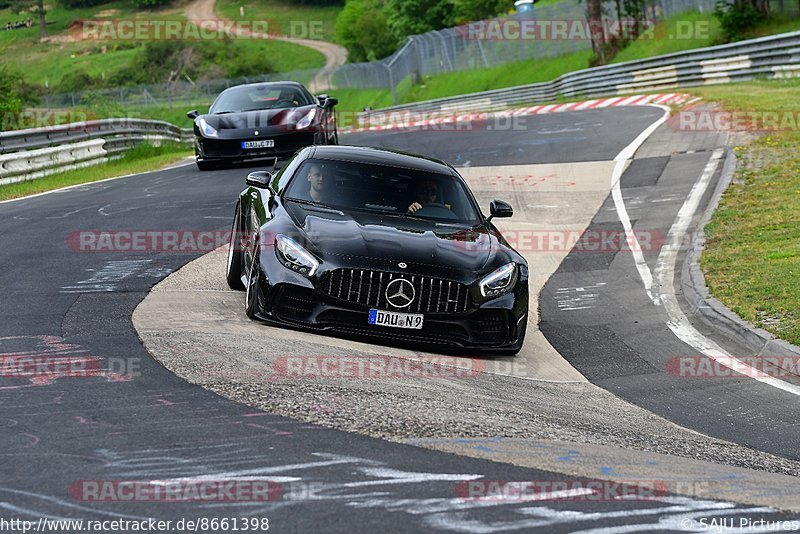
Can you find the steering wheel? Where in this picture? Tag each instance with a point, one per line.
(289, 103)
(436, 209)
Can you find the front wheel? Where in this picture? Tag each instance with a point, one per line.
(233, 271)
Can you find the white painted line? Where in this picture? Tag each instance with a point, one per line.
(664, 273)
(67, 188)
(678, 323)
(621, 159)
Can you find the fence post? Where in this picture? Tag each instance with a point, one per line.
(391, 84)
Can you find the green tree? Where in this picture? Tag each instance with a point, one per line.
(362, 27)
(410, 17)
(469, 10)
(10, 100)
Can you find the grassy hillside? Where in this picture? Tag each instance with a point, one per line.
(681, 32)
(752, 256)
(284, 17)
(48, 63)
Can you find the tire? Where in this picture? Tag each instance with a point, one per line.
(251, 305)
(233, 269)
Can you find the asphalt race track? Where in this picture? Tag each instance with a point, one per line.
(129, 418)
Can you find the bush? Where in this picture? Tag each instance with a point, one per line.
(78, 80)
(15, 92)
(10, 101)
(736, 19)
(75, 4)
(150, 4)
(169, 61)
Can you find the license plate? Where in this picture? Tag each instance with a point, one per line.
(267, 143)
(394, 319)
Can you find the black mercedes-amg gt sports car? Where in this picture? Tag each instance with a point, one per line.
(262, 120)
(370, 242)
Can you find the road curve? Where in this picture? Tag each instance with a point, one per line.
(335, 55)
(99, 408)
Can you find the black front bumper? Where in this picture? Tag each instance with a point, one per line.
(219, 150)
(289, 299)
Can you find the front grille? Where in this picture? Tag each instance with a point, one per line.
(367, 288)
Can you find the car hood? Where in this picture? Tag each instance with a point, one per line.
(345, 238)
(257, 119)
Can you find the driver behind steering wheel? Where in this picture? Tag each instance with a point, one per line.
(423, 192)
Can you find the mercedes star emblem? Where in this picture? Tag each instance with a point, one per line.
(400, 293)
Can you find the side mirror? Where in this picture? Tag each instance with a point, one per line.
(192, 114)
(499, 208)
(260, 179)
(321, 100)
(330, 102)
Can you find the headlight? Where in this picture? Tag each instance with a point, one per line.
(305, 122)
(206, 129)
(295, 257)
(500, 281)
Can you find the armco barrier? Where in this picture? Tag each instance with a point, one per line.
(775, 56)
(37, 152)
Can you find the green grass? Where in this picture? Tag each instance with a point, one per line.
(45, 63)
(468, 81)
(676, 34)
(691, 30)
(140, 159)
(284, 17)
(752, 256)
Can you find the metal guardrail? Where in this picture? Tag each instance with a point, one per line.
(33, 153)
(775, 56)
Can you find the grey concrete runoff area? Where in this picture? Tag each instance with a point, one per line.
(527, 410)
(181, 387)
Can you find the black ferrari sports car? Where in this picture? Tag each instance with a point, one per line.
(371, 242)
(262, 120)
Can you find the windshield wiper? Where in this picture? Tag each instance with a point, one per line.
(317, 205)
(224, 112)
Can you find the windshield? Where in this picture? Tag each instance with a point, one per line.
(402, 192)
(260, 97)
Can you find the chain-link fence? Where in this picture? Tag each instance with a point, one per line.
(550, 31)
